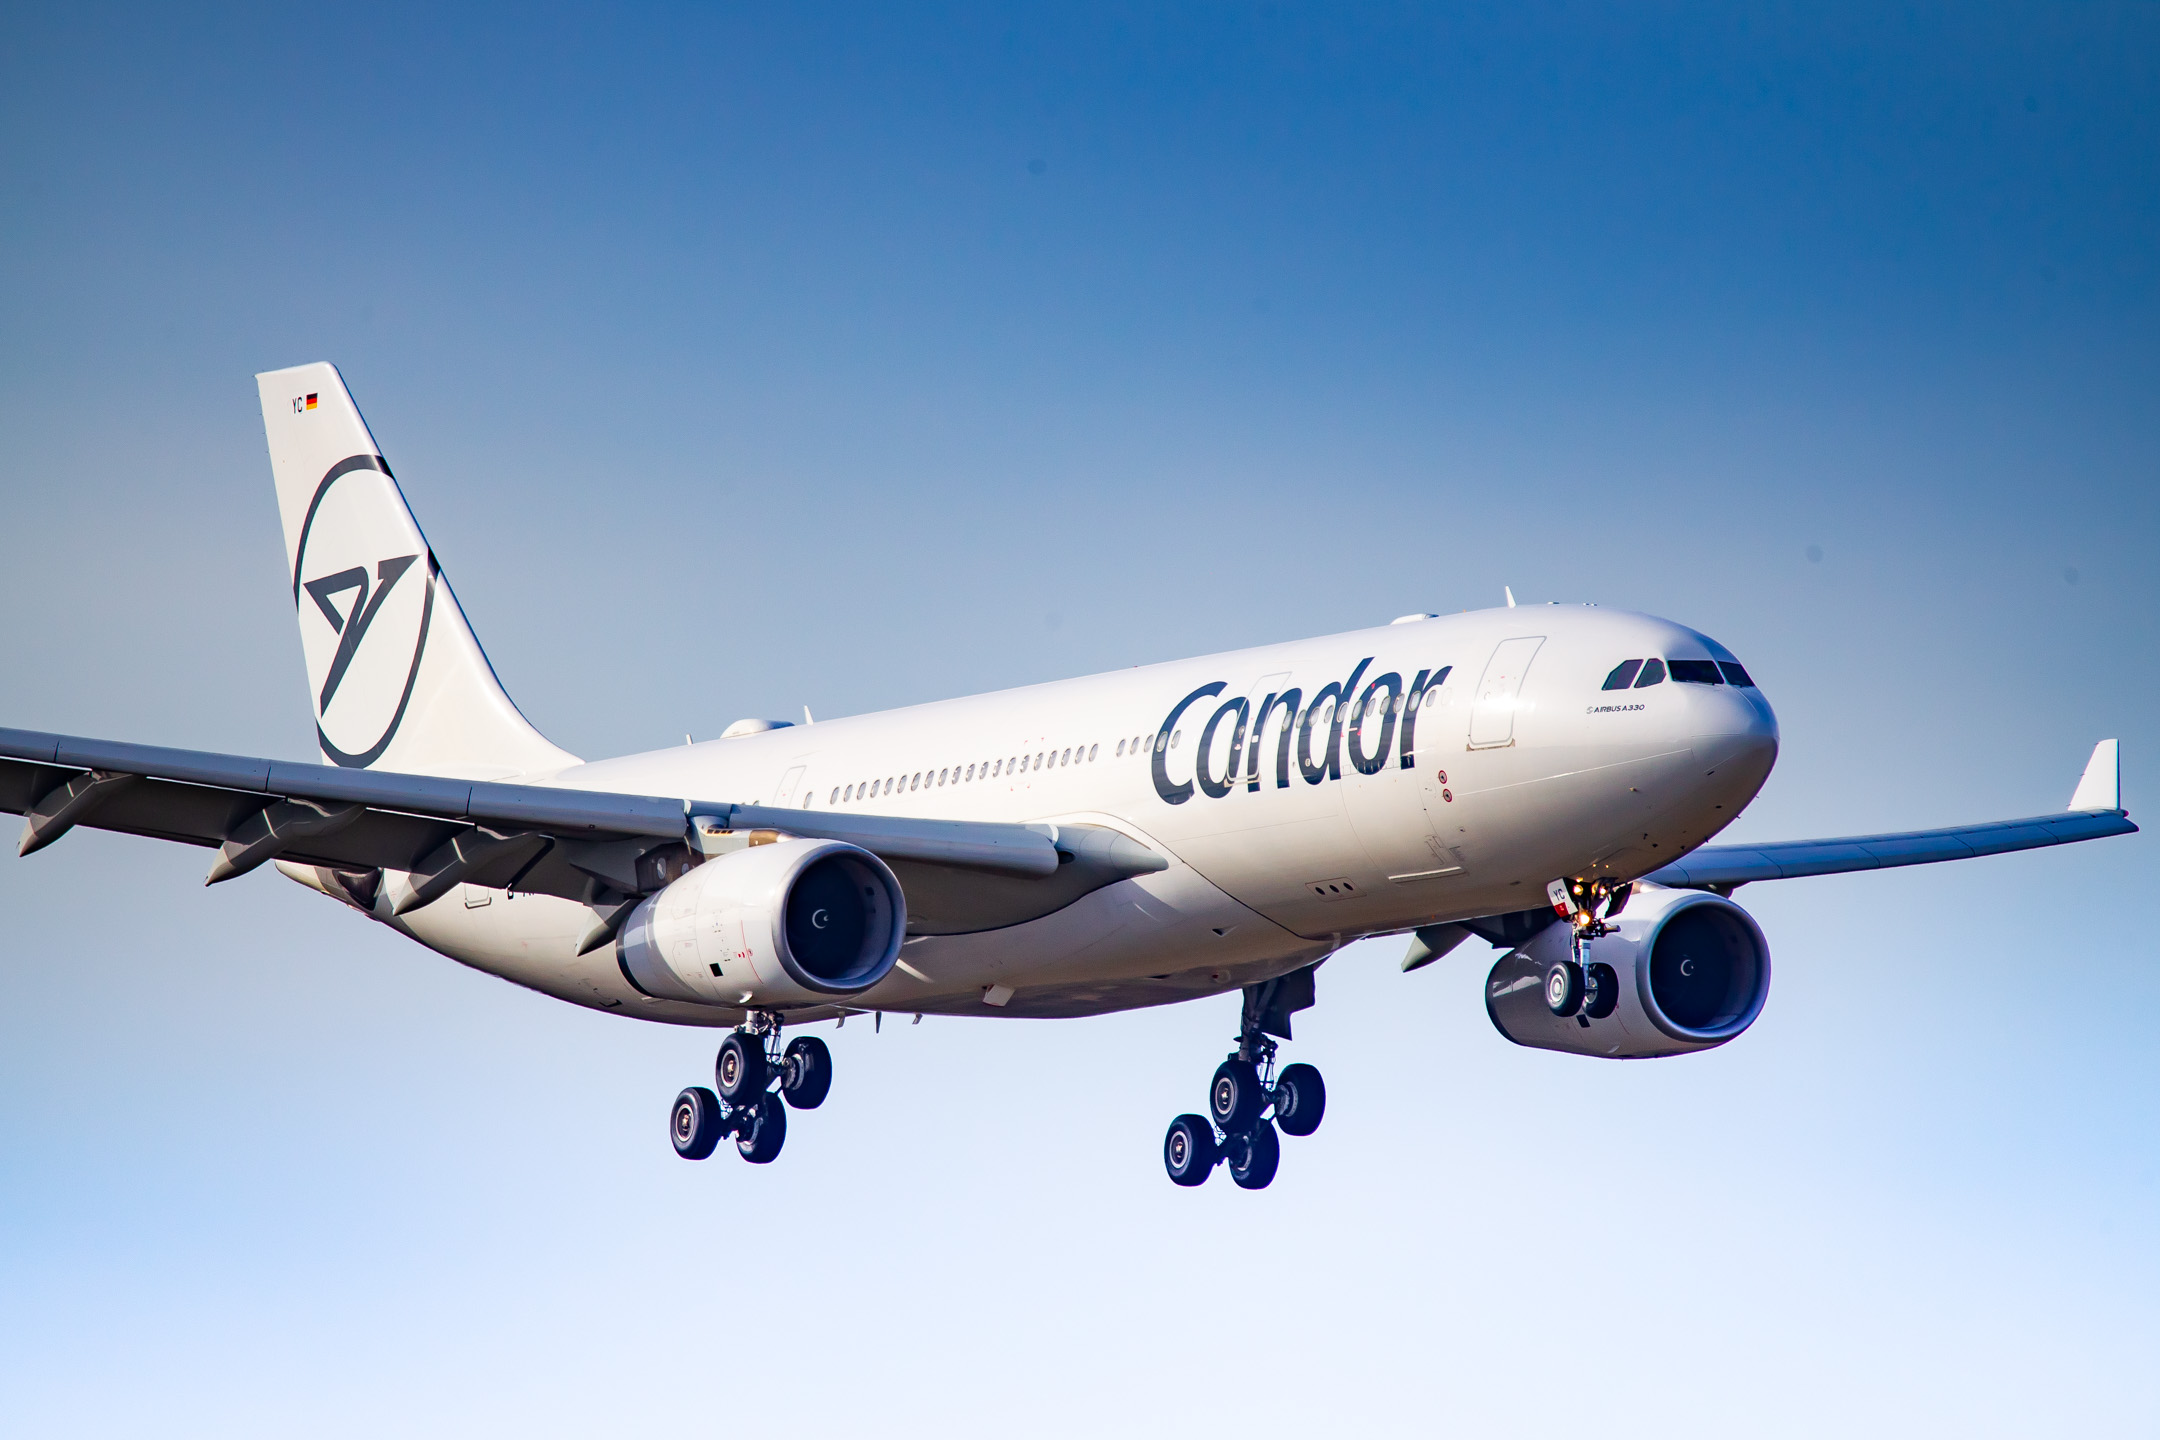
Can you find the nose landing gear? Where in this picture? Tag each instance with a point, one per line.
(1587, 992)
(757, 1081)
(1249, 1101)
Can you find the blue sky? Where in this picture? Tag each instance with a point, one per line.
(738, 360)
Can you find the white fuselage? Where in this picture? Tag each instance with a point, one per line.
(1520, 769)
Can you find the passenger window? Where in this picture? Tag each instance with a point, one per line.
(834, 798)
(1736, 674)
(1091, 751)
(1653, 673)
(1623, 675)
(1067, 759)
(1695, 672)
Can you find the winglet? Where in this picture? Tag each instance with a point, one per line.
(2100, 788)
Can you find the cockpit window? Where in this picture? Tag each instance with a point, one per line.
(1623, 675)
(1653, 673)
(1696, 672)
(1736, 674)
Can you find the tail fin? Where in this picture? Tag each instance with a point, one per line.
(396, 678)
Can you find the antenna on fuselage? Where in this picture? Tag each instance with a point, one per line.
(1504, 590)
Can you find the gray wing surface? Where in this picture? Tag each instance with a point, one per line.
(2095, 812)
(1721, 867)
(592, 846)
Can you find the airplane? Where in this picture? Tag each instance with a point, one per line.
(1545, 779)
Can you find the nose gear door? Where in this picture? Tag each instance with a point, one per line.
(1492, 713)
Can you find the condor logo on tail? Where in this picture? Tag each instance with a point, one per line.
(351, 627)
(366, 631)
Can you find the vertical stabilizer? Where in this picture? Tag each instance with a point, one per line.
(395, 677)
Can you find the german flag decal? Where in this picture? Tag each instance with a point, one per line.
(311, 402)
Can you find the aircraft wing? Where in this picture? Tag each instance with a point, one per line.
(2095, 811)
(586, 845)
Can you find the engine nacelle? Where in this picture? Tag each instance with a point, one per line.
(797, 922)
(1693, 971)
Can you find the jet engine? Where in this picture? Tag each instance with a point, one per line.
(1678, 970)
(796, 922)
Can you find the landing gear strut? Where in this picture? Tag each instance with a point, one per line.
(757, 1080)
(1249, 1100)
(1586, 991)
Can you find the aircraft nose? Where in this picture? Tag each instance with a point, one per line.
(1735, 730)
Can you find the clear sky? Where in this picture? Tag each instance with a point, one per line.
(737, 359)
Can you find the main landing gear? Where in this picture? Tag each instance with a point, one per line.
(1249, 1100)
(753, 1076)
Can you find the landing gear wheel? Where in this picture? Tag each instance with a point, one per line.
(1604, 991)
(1300, 1099)
(1189, 1152)
(763, 1130)
(805, 1072)
(694, 1124)
(1564, 988)
(1253, 1157)
(1235, 1098)
(739, 1074)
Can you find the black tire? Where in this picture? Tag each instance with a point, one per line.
(1254, 1157)
(1235, 1099)
(1189, 1151)
(740, 1073)
(764, 1130)
(1300, 1099)
(694, 1124)
(1604, 990)
(1564, 988)
(805, 1072)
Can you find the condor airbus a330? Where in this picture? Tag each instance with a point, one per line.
(1542, 779)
